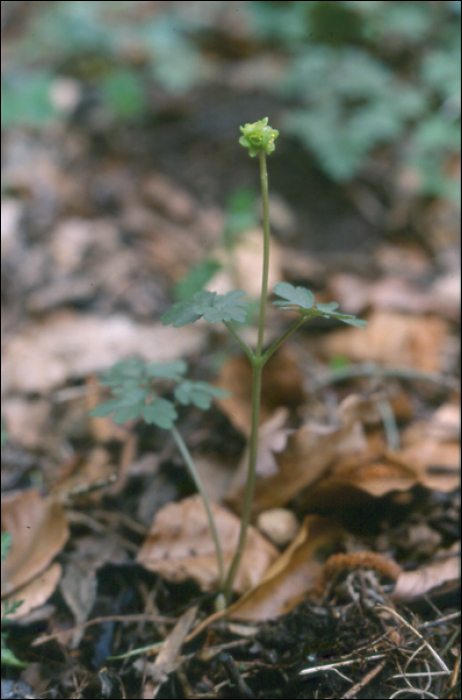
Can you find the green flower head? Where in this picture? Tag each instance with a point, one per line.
(258, 136)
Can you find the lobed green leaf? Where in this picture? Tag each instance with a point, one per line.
(161, 412)
(302, 300)
(298, 296)
(210, 305)
(172, 371)
(200, 394)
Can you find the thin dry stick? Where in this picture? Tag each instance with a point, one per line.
(367, 679)
(436, 656)
(455, 673)
(142, 617)
(330, 667)
(440, 621)
(422, 674)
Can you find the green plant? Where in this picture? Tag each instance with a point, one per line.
(129, 381)
(393, 78)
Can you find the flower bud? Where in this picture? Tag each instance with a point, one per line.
(258, 136)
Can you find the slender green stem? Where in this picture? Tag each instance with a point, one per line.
(180, 443)
(248, 351)
(266, 251)
(272, 349)
(257, 366)
(250, 484)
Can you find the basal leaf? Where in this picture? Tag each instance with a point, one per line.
(160, 412)
(212, 306)
(105, 409)
(227, 307)
(123, 408)
(129, 369)
(181, 314)
(200, 394)
(130, 412)
(170, 370)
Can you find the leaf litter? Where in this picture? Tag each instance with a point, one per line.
(310, 595)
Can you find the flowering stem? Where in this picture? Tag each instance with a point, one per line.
(205, 499)
(257, 360)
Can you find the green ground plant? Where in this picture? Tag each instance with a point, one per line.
(393, 67)
(131, 381)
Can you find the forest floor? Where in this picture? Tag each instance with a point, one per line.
(358, 499)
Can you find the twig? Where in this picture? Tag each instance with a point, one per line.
(423, 693)
(234, 675)
(330, 667)
(440, 621)
(439, 660)
(455, 672)
(146, 617)
(422, 674)
(367, 679)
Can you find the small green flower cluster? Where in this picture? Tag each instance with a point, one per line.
(258, 136)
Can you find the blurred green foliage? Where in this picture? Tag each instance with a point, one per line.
(363, 74)
(239, 217)
(358, 74)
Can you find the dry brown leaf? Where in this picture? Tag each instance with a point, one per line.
(35, 593)
(282, 385)
(38, 529)
(179, 546)
(356, 294)
(167, 659)
(170, 199)
(78, 587)
(414, 584)
(376, 475)
(437, 464)
(291, 576)
(393, 338)
(84, 477)
(45, 355)
(433, 449)
(27, 421)
(393, 293)
(309, 452)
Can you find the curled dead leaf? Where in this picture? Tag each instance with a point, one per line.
(309, 452)
(292, 575)
(35, 593)
(179, 546)
(414, 584)
(39, 530)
